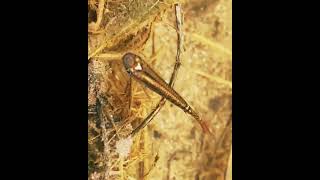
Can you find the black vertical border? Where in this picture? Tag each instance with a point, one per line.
(44, 70)
(274, 95)
(252, 115)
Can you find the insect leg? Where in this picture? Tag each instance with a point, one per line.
(179, 23)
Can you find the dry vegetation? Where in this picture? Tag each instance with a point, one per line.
(173, 145)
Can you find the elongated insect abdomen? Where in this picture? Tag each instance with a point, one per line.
(140, 70)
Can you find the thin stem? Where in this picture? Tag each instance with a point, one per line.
(179, 23)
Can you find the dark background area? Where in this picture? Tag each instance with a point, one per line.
(44, 67)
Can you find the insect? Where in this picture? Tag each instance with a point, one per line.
(143, 73)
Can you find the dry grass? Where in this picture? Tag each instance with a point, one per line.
(172, 146)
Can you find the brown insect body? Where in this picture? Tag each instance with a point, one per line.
(141, 71)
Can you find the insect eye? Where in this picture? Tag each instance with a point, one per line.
(129, 60)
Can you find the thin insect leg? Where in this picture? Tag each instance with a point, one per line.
(179, 22)
(153, 44)
(128, 91)
(149, 117)
(154, 52)
(152, 166)
(146, 92)
(153, 58)
(130, 96)
(114, 125)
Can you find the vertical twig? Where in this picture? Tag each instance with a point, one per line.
(179, 23)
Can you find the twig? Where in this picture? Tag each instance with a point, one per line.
(153, 165)
(214, 45)
(179, 23)
(92, 139)
(214, 78)
(154, 4)
(110, 55)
